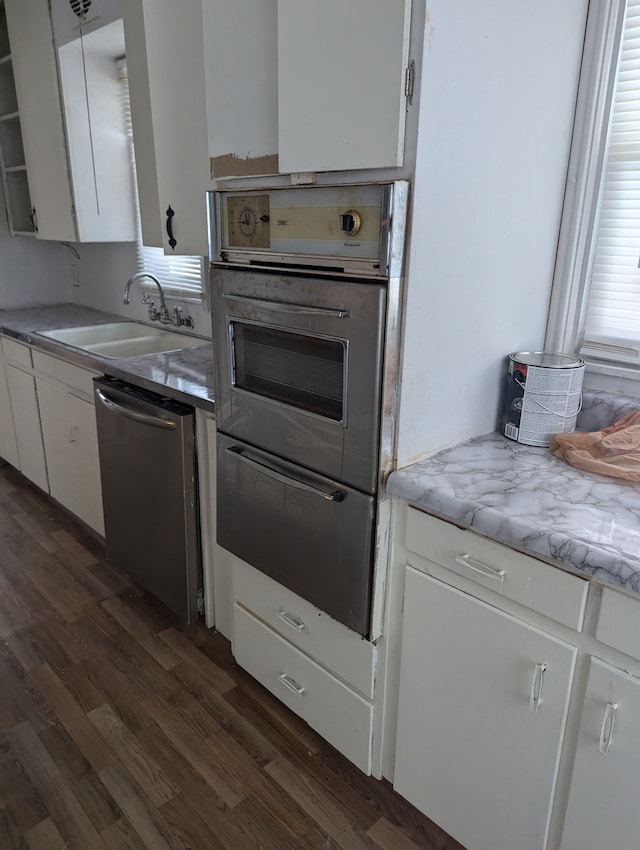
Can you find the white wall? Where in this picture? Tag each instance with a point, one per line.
(102, 272)
(499, 81)
(32, 272)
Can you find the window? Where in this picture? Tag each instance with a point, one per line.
(181, 276)
(612, 322)
(595, 304)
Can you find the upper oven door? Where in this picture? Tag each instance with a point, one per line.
(298, 368)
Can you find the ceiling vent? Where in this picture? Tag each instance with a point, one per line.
(80, 7)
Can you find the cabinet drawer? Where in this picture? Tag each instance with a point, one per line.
(16, 352)
(337, 713)
(619, 622)
(526, 580)
(65, 373)
(341, 650)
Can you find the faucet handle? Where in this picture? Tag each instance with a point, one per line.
(178, 321)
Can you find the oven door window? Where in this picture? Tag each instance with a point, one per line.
(306, 372)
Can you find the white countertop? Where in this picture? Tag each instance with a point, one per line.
(528, 499)
(185, 374)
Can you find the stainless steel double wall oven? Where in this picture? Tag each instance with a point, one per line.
(305, 287)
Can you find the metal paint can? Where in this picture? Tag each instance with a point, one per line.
(543, 396)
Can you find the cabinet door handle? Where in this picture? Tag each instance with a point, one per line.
(291, 620)
(537, 684)
(172, 241)
(608, 725)
(488, 572)
(290, 683)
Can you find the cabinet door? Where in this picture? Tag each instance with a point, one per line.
(603, 799)
(480, 720)
(36, 78)
(165, 63)
(26, 417)
(8, 444)
(97, 139)
(241, 64)
(341, 78)
(71, 447)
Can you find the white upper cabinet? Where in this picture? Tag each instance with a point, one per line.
(76, 149)
(241, 63)
(90, 55)
(165, 61)
(295, 85)
(14, 186)
(341, 83)
(36, 79)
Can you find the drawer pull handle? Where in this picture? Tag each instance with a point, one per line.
(291, 620)
(290, 683)
(483, 569)
(537, 684)
(608, 725)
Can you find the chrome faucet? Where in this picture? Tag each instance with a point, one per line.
(158, 315)
(155, 315)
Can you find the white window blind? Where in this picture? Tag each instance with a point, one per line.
(181, 276)
(612, 327)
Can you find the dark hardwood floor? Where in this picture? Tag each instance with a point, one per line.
(120, 731)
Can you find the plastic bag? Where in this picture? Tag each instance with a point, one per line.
(615, 451)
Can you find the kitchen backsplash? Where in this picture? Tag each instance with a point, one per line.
(32, 272)
(600, 409)
(102, 272)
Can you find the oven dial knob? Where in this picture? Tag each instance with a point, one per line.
(350, 222)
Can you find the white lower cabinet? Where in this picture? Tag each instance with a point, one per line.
(341, 650)
(603, 799)
(8, 444)
(339, 714)
(319, 668)
(26, 418)
(482, 710)
(48, 428)
(71, 446)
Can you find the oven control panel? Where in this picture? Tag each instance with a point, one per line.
(333, 226)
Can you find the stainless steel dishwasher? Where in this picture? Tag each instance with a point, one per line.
(149, 490)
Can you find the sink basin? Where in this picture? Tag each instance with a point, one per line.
(122, 339)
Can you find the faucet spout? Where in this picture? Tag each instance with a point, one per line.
(139, 276)
(161, 315)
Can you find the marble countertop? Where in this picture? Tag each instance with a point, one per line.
(185, 374)
(528, 499)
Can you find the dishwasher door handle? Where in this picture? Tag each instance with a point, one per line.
(136, 415)
(287, 480)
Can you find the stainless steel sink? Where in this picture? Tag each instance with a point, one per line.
(122, 339)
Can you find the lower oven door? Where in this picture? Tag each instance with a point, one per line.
(308, 532)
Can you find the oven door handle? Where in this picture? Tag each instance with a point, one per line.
(287, 480)
(297, 309)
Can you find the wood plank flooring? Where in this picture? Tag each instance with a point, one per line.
(120, 731)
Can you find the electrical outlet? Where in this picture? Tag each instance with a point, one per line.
(75, 276)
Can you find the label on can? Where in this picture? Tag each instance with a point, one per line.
(541, 401)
